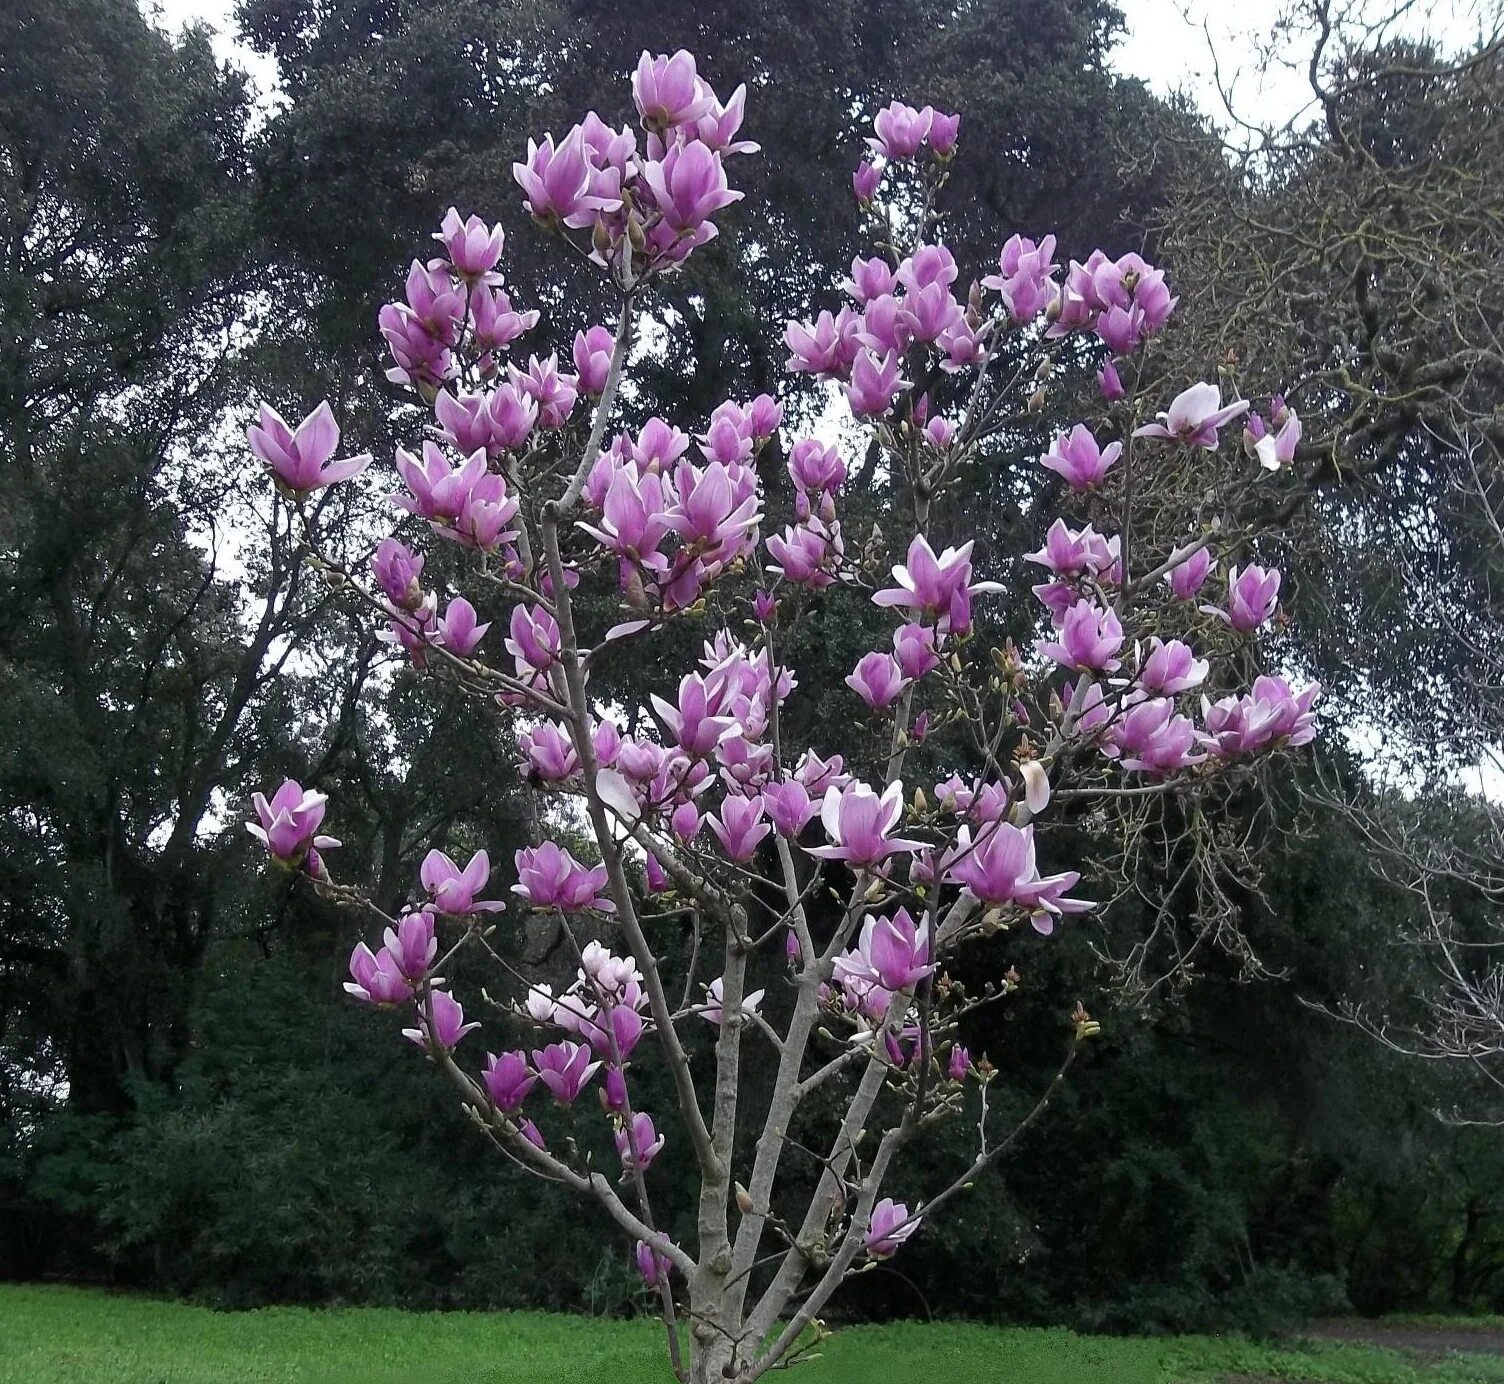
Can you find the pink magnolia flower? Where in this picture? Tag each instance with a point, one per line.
(901, 130)
(376, 979)
(1274, 449)
(806, 555)
(869, 279)
(1186, 578)
(441, 1022)
(1195, 417)
(1170, 668)
(1025, 280)
(1077, 457)
(552, 392)
(1251, 598)
(930, 311)
(789, 805)
(471, 245)
(637, 1143)
(866, 182)
(288, 825)
(557, 182)
(551, 755)
(494, 323)
(815, 467)
(565, 1068)
(826, 348)
(936, 585)
(301, 461)
(740, 826)
(455, 890)
(689, 185)
(412, 945)
(817, 775)
(1068, 552)
(667, 90)
(878, 680)
(1271, 714)
(636, 516)
(958, 1063)
(533, 638)
(898, 949)
(653, 1266)
(397, 569)
(592, 354)
(890, 1226)
(508, 1079)
(942, 137)
(916, 650)
(1089, 640)
(438, 490)
(1001, 868)
(717, 128)
(614, 1033)
(1109, 380)
(694, 722)
(859, 821)
(875, 382)
(458, 630)
(549, 877)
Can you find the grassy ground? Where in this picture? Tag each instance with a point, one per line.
(53, 1335)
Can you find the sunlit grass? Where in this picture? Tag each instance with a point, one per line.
(54, 1335)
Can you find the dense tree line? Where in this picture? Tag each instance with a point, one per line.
(187, 1104)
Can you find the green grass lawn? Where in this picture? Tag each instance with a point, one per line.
(53, 1335)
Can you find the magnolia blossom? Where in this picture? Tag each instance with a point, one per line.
(412, 945)
(376, 979)
(1078, 458)
(453, 889)
(653, 1266)
(1001, 868)
(890, 1226)
(859, 821)
(1274, 441)
(565, 1068)
(508, 1079)
(936, 585)
(877, 679)
(549, 877)
(1171, 667)
(896, 951)
(638, 1143)
(1270, 714)
(1188, 576)
(1088, 641)
(712, 1008)
(1195, 417)
(301, 461)
(472, 247)
(288, 824)
(1251, 598)
(739, 826)
(441, 1022)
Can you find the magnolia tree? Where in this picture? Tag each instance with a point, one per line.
(869, 881)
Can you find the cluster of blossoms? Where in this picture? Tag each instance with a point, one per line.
(641, 211)
(693, 791)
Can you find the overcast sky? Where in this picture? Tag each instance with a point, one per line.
(1168, 45)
